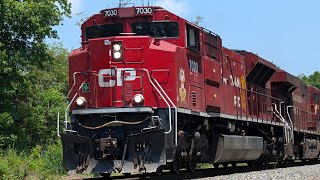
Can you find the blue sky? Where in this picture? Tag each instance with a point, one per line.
(286, 32)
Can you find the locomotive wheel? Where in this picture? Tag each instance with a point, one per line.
(263, 163)
(216, 165)
(225, 165)
(267, 161)
(176, 165)
(280, 162)
(160, 170)
(250, 164)
(192, 164)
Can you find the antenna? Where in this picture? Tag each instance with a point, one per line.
(143, 2)
(124, 3)
(120, 3)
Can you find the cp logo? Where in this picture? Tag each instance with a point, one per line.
(103, 73)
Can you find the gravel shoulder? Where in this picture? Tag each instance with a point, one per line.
(308, 172)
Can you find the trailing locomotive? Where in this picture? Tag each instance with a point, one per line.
(150, 90)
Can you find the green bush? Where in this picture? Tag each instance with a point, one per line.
(39, 163)
(12, 165)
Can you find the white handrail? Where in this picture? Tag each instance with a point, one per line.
(281, 117)
(150, 80)
(299, 110)
(174, 106)
(74, 82)
(280, 107)
(58, 123)
(290, 119)
(68, 107)
(286, 125)
(66, 111)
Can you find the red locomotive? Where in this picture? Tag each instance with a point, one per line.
(150, 90)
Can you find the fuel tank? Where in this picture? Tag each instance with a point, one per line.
(232, 148)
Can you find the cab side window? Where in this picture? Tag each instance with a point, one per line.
(193, 38)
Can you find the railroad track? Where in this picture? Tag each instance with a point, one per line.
(203, 173)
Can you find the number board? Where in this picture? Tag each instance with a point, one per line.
(111, 13)
(144, 11)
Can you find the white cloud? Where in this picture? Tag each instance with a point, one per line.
(179, 7)
(76, 5)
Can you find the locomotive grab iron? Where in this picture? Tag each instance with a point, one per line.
(150, 90)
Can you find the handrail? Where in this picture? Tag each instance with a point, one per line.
(280, 107)
(288, 137)
(174, 106)
(262, 94)
(66, 111)
(150, 80)
(74, 82)
(310, 113)
(58, 123)
(303, 110)
(68, 107)
(290, 118)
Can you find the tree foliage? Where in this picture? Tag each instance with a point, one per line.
(32, 75)
(34, 120)
(313, 79)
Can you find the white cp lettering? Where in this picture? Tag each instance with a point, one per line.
(103, 73)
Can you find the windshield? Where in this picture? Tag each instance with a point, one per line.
(105, 30)
(156, 29)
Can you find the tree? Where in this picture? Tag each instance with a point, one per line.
(34, 121)
(24, 27)
(313, 79)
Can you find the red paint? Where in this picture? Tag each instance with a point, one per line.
(210, 80)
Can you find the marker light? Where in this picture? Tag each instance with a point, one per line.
(138, 100)
(81, 101)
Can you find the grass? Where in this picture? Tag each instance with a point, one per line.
(39, 163)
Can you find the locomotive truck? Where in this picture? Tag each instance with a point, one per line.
(150, 90)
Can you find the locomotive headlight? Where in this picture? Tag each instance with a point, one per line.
(81, 101)
(116, 47)
(138, 100)
(117, 51)
(117, 55)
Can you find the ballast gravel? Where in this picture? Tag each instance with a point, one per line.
(308, 172)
